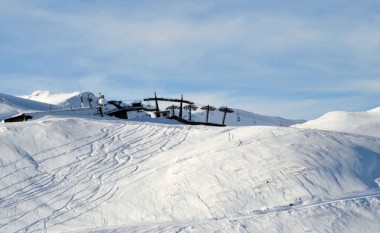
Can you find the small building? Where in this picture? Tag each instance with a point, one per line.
(137, 104)
(162, 114)
(18, 118)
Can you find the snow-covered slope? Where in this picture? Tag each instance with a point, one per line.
(67, 174)
(66, 100)
(365, 123)
(12, 105)
(242, 118)
(237, 118)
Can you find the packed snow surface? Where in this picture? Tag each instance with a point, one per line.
(365, 123)
(67, 100)
(68, 174)
(83, 173)
(11, 105)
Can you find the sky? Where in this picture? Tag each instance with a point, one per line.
(297, 59)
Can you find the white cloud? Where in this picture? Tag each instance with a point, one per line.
(158, 47)
(18, 84)
(372, 85)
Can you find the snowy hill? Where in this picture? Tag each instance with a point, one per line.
(237, 118)
(365, 123)
(242, 118)
(12, 105)
(66, 100)
(70, 174)
(83, 173)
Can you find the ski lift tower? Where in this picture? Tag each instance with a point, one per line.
(208, 108)
(225, 110)
(181, 101)
(189, 108)
(172, 108)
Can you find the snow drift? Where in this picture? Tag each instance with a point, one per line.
(65, 100)
(365, 123)
(12, 105)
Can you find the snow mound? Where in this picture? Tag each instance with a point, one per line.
(66, 100)
(12, 105)
(375, 110)
(72, 174)
(364, 123)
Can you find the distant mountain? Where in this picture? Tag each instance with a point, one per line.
(364, 123)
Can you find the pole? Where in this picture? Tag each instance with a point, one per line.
(81, 97)
(224, 117)
(208, 111)
(180, 107)
(157, 108)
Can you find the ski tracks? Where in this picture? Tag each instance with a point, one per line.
(96, 167)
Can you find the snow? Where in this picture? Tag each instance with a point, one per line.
(71, 101)
(12, 105)
(66, 100)
(365, 123)
(242, 118)
(82, 173)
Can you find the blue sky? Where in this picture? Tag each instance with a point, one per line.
(297, 59)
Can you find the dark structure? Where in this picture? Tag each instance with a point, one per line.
(225, 110)
(193, 122)
(156, 99)
(89, 99)
(19, 118)
(189, 108)
(208, 108)
(121, 112)
(116, 103)
(137, 104)
(172, 108)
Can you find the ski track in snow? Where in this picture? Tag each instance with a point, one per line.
(102, 163)
(213, 172)
(237, 223)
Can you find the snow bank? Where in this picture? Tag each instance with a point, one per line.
(66, 100)
(364, 123)
(12, 105)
